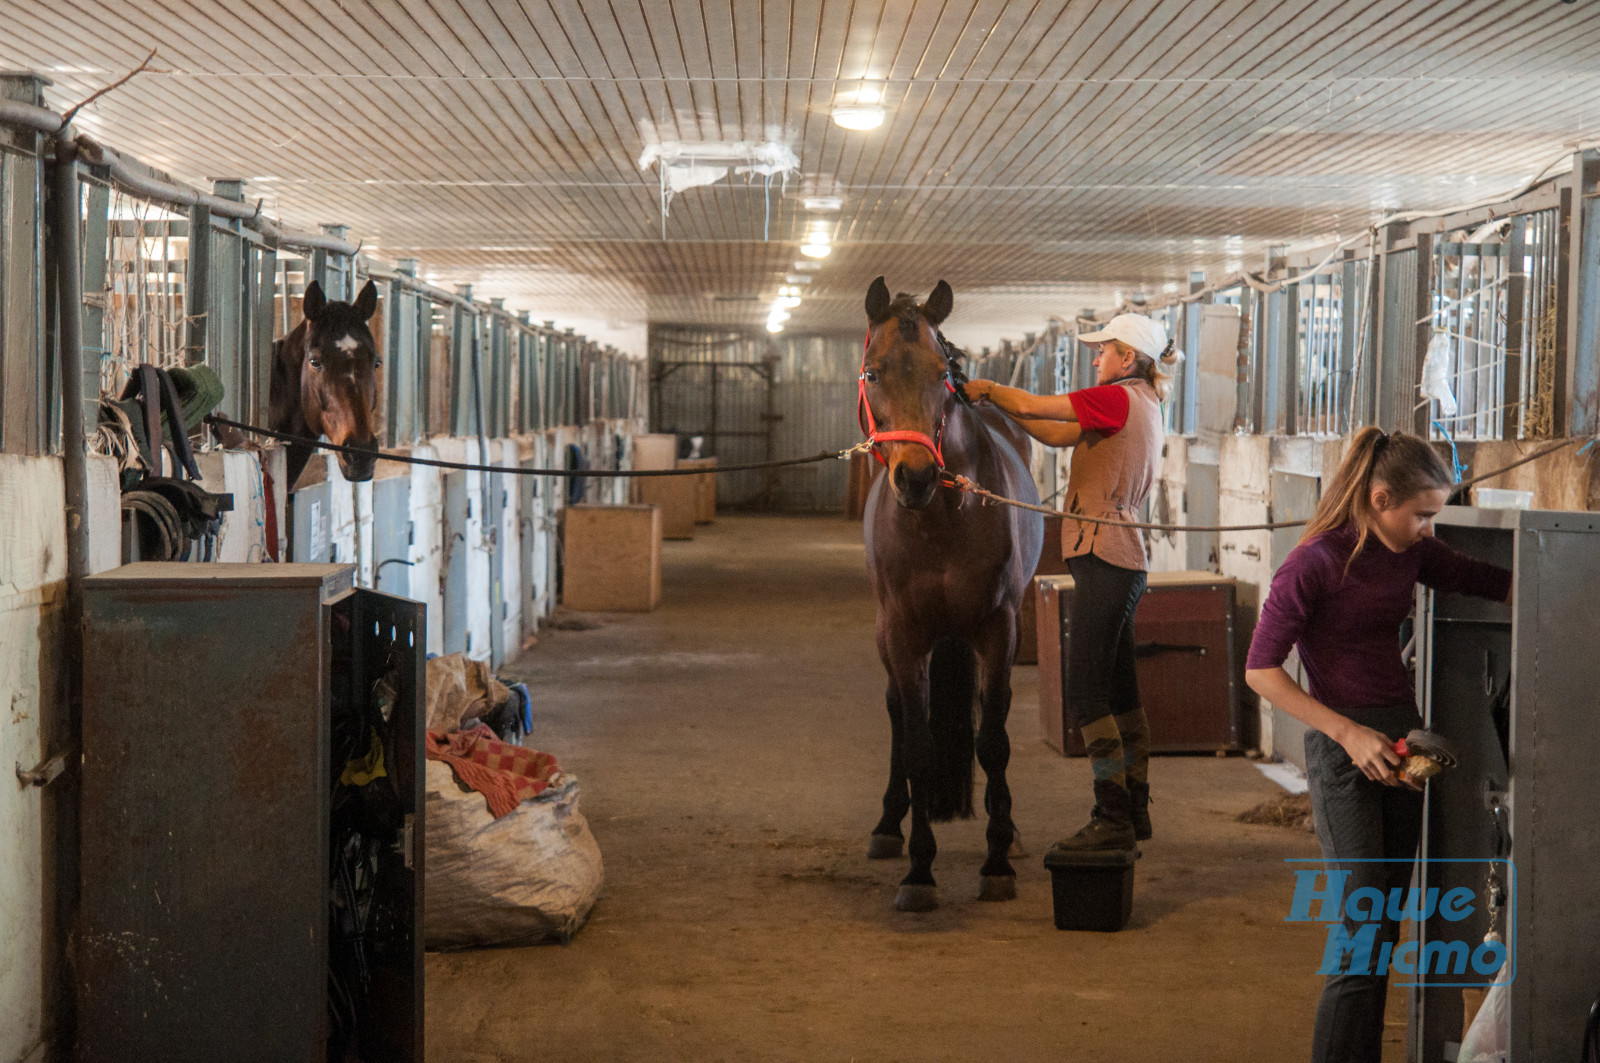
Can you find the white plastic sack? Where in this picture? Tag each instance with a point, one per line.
(1488, 1039)
(1436, 374)
(533, 875)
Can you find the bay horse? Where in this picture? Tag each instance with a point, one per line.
(325, 381)
(949, 574)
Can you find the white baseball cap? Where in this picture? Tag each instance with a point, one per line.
(1143, 334)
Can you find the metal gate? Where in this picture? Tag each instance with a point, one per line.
(731, 406)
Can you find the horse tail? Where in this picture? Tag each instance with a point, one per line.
(952, 684)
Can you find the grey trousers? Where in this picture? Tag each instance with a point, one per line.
(1358, 819)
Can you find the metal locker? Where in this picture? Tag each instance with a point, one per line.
(223, 704)
(1513, 686)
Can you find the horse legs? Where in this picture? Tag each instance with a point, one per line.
(907, 660)
(996, 646)
(887, 841)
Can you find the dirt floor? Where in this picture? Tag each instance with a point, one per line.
(732, 749)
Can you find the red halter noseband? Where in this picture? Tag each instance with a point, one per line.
(869, 424)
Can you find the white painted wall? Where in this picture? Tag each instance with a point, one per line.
(33, 673)
(508, 546)
(427, 544)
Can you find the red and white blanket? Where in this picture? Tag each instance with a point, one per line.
(505, 774)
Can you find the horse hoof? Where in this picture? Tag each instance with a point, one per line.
(917, 898)
(997, 887)
(885, 847)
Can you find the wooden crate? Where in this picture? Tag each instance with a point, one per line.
(611, 558)
(705, 494)
(1050, 564)
(676, 497)
(1189, 663)
(863, 471)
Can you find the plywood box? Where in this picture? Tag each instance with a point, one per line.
(863, 471)
(658, 450)
(705, 494)
(1188, 664)
(676, 497)
(612, 558)
(1050, 564)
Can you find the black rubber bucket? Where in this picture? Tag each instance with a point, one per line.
(1091, 890)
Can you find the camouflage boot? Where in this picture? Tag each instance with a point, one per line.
(1139, 809)
(1110, 825)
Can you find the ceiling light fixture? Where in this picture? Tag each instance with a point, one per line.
(858, 118)
(822, 202)
(816, 248)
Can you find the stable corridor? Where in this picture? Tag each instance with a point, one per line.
(732, 748)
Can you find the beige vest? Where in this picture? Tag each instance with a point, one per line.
(1111, 476)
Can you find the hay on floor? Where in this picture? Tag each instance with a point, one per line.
(1290, 810)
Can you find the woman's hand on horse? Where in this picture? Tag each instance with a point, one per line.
(1373, 753)
(978, 390)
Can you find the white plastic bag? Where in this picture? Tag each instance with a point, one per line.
(1488, 1039)
(1436, 374)
(533, 875)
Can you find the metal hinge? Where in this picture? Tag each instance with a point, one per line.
(45, 773)
(403, 842)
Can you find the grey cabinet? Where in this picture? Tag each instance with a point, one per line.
(1517, 688)
(243, 897)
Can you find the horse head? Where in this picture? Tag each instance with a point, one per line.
(908, 387)
(339, 376)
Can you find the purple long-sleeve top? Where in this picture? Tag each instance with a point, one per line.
(1346, 625)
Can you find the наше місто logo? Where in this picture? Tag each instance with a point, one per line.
(1355, 919)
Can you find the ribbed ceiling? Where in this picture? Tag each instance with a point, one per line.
(1040, 156)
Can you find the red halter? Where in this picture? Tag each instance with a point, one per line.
(869, 424)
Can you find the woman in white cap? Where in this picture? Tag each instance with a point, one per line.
(1116, 434)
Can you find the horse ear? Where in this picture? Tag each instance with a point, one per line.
(878, 301)
(367, 301)
(938, 306)
(313, 301)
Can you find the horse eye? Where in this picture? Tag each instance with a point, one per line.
(869, 376)
(316, 363)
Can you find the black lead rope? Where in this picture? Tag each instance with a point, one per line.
(514, 470)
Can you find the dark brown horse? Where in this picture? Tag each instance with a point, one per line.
(949, 574)
(325, 381)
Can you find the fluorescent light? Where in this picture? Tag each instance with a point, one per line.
(788, 300)
(798, 278)
(807, 267)
(816, 250)
(822, 202)
(858, 118)
(774, 326)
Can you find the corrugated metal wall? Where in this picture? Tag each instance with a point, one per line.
(813, 401)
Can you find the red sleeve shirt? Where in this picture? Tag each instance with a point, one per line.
(1103, 408)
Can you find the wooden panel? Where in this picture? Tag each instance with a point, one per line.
(676, 497)
(705, 488)
(1050, 155)
(612, 558)
(1188, 666)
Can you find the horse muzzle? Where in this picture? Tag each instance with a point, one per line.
(914, 486)
(359, 467)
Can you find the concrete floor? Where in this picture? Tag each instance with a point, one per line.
(732, 748)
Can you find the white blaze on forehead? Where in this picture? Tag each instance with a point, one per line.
(347, 343)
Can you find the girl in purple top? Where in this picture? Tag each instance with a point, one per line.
(1339, 598)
